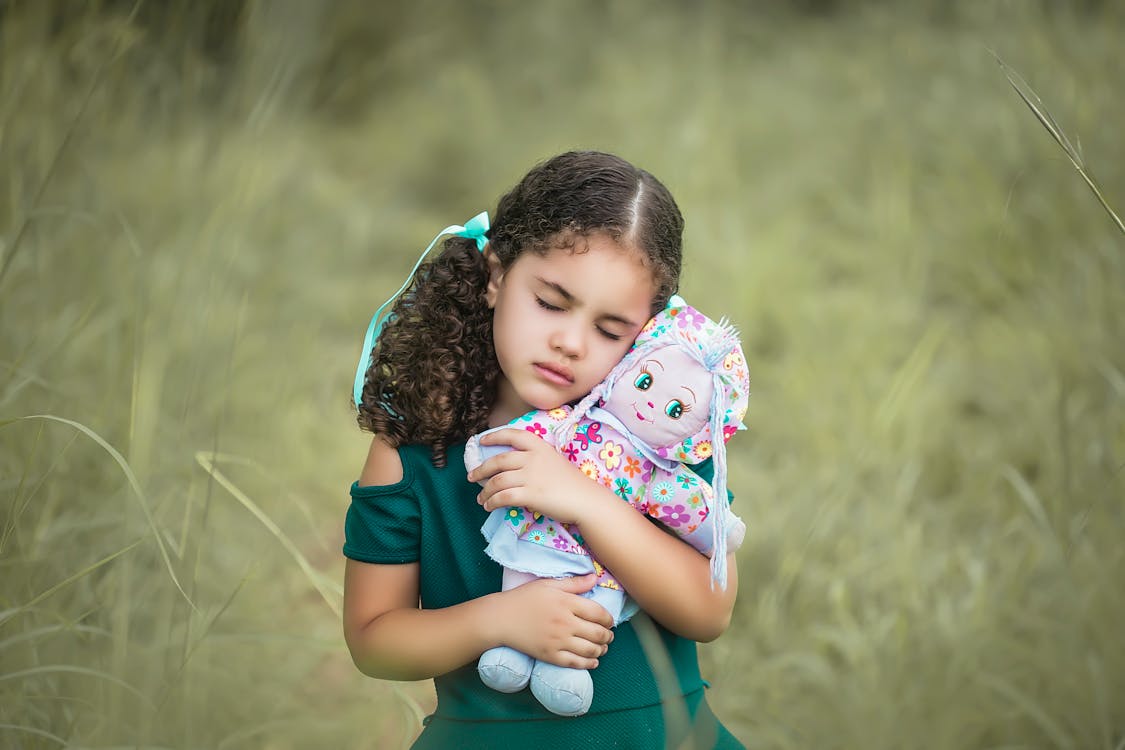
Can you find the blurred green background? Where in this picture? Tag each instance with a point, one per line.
(201, 203)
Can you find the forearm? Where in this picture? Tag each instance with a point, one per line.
(668, 578)
(417, 644)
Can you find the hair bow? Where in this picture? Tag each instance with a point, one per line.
(476, 229)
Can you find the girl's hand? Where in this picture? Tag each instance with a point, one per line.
(537, 477)
(548, 620)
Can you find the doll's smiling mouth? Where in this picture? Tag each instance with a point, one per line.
(640, 416)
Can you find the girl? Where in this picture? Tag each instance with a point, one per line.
(583, 251)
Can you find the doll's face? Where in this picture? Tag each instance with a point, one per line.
(664, 398)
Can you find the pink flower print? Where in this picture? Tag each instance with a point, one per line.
(623, 488)
(703, 513)
(514, 516)
(702, 449)
(632, 467)
(571, 452)
(690, 318)
(561, 543)
(611, 454)
(675, 515)
(536, 429)
(728, 432)
(590, 469)
(558, 414)
(663, 492)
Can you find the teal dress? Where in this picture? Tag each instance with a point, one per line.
(431, 517)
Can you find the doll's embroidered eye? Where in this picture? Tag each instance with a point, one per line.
(643, 382)
(676, 408)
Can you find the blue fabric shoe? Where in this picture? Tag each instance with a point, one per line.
(561, 690)
(505, 669)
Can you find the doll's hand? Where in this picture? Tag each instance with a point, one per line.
(549, 620)
(537, 477)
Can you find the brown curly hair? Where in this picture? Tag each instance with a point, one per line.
(433, 375)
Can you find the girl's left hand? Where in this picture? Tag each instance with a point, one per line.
(537, 477)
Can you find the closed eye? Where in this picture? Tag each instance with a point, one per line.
(608, 335)
(547, 305)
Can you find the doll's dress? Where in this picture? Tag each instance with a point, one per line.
(667, 491)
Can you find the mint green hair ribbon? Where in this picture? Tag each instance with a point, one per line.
(476, 229)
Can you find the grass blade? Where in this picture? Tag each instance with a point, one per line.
(1035, 104)
(130, 476)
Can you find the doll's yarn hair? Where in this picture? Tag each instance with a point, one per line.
(714, 346)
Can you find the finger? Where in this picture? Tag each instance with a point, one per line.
(491, 499)
(596, 635)
(585, 649)
(509, 436)
(571, 660)
(496, 465)
(576, 584)
(593, 612)
(519, 439)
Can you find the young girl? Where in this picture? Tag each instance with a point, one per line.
(581, 253)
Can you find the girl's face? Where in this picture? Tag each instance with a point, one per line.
(563, 320)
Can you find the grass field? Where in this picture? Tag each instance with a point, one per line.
(200, 209)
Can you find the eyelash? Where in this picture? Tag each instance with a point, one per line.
(554, 308)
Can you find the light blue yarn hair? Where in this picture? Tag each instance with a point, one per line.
(475, 229)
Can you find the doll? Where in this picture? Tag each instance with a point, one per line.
(683, 382)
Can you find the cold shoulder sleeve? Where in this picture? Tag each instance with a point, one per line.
(383, 524)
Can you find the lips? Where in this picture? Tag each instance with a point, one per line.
(640, 416)
(556, 374)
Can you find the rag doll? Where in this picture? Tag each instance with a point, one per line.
(675, 398)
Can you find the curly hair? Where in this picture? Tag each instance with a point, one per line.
(433, 377)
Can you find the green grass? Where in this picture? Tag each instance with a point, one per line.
(193, 237)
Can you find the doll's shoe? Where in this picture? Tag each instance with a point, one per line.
(505, 669)
(561, 690)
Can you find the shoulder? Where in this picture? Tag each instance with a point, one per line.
(383, 465)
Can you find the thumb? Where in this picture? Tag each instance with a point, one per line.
(578, 584)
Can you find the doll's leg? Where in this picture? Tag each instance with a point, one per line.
(565, 691)
(503, 668)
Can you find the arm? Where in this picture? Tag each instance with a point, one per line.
(668, 578)
(390, 637)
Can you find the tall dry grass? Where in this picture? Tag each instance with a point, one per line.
(196, 224)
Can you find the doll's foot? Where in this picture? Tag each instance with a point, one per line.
(563, 691)
(505, 669)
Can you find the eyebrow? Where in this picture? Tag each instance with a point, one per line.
(689, 390)
(561, 290)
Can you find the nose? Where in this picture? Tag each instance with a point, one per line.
(568, 340)
(651, 405)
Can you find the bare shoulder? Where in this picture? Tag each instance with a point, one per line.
(383, 465)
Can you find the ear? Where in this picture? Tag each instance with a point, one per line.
(495, 275)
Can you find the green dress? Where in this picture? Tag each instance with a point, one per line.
(431, 517)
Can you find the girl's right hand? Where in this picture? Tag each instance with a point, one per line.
(549, 620)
